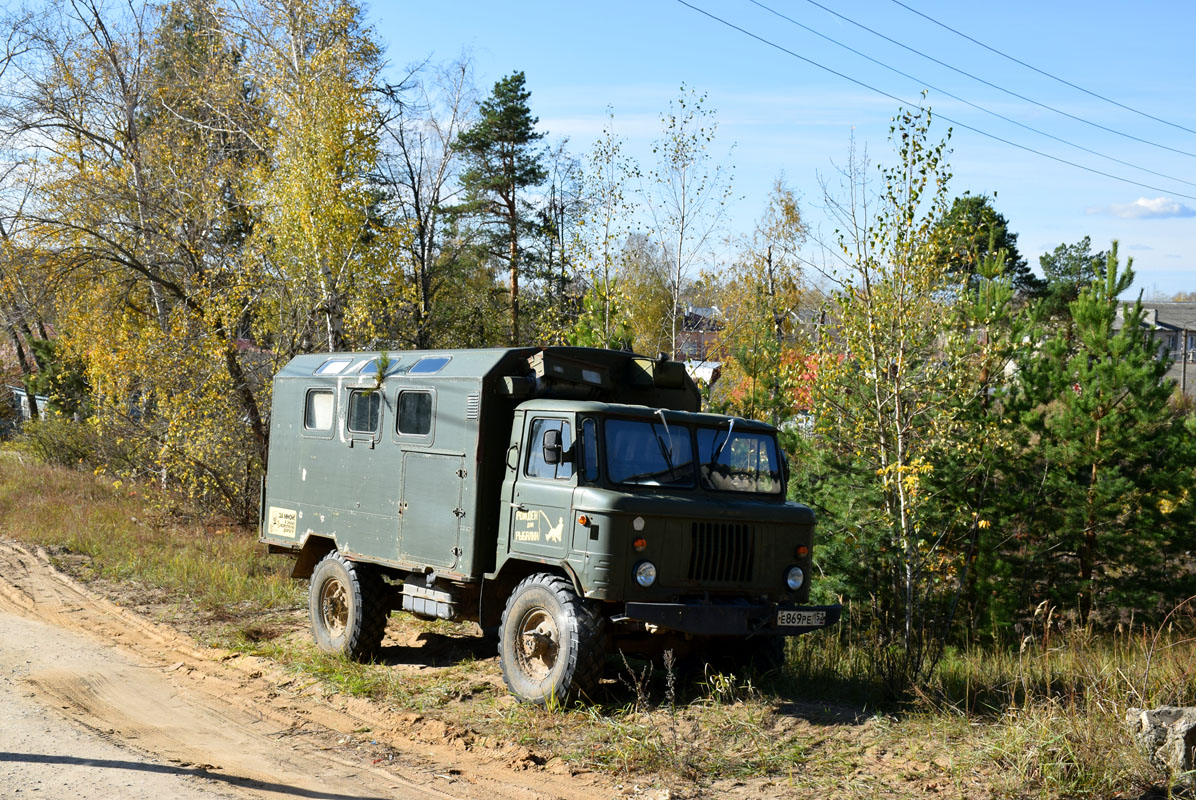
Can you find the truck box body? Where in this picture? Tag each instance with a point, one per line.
(421, 491)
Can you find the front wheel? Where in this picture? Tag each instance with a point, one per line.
(346, 608)
(552, 643)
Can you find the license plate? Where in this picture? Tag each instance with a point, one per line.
(788, 618)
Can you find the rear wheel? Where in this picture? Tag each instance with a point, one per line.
(346, 608)
(552, 643)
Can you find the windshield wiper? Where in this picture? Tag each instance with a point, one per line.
(719, 450)
(667, 452)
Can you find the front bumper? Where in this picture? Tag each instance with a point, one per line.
(731, 618)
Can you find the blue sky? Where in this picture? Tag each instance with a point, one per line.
(778, 114)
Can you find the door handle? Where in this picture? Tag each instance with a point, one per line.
(519, 506)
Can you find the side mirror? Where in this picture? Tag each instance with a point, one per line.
(552, 447)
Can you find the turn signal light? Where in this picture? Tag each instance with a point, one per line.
(583, 520)
(802, 551)
(640, 543)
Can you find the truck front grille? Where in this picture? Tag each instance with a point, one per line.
(722, 552)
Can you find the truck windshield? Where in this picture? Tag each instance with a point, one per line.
(738, 461)
(643, 453)
(649, 453)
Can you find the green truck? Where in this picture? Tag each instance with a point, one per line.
(575, 499)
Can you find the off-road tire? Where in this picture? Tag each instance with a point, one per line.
(345, 603)
(552, 643)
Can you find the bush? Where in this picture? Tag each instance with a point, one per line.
(59, 441)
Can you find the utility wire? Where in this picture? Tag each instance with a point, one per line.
(965, 126)
(969, 102)
(1042, 72)
(993, 85)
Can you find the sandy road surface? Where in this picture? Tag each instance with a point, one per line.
(44, 755)
(100, 702)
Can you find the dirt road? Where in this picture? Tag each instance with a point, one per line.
(99, 702)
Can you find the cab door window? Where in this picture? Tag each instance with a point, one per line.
(537, 466)
(589, 449)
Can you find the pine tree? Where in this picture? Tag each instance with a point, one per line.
(502, 161)
(1104, 450)
(973, 229)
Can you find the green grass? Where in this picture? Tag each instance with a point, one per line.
(1041, 717)
(426, 690)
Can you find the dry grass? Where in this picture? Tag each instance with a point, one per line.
(1041, 718)
(218, 568)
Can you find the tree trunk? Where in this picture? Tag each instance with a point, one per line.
(513, 255)
(26, 370)
(1088, 546)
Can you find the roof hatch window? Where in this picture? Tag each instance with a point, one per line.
(429, 365)
(333, 366)
(371, 367)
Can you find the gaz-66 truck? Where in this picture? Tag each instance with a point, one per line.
(573, 498)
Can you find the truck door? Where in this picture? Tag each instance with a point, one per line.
(431, 508)
(541, 505)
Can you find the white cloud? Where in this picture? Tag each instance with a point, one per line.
(1146, 208)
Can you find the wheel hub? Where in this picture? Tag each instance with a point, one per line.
(334, 607)
(539, 644)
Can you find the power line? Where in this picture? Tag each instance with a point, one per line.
(990, 84)
(1042, 72)
(969, 102)
(965, 126)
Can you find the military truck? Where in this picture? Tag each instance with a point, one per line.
(573, 498)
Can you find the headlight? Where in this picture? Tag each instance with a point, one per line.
(794, 578)
(645, 573)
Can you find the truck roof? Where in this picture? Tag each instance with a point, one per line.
(580, 373)
(626, 409)
(426, 363)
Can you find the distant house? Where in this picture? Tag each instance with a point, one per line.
(698, 338)
(1173, 326)
(18, 399)
(704, 372)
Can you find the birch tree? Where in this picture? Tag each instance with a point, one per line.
(897, 379)
(419, 166)
(323, 232)
(600, 245)
(685, 192)
(762, 296)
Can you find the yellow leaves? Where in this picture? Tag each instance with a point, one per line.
(1168, 506)
(907, 475)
